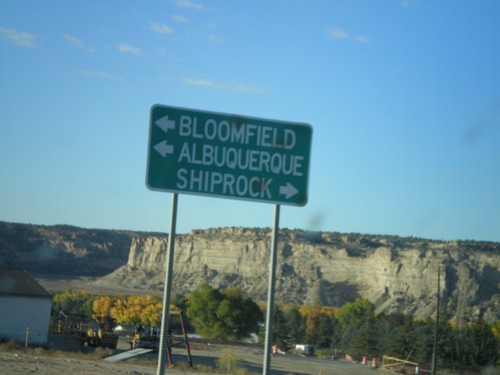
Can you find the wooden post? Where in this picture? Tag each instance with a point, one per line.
(26, 341)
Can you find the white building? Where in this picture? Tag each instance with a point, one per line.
(24, 308)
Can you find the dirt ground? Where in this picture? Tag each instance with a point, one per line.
(18, 362)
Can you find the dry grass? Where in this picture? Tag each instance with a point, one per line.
(16, 347)
(227, 363)
(10, 347)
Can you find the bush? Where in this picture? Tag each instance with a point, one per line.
(10, 346)
(228, 362)
(242, 371)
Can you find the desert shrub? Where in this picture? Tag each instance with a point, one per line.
(10, 346)
(228, 362)
(204, 368)
(242, 371)
(38, 351)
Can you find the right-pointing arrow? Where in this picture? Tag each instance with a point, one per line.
(164, 123)
(163, 148)
(288, 190)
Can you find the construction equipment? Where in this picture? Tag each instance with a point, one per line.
(98, 338)
(141, 344)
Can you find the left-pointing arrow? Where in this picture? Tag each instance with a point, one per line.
(163, 148)
(164, 123)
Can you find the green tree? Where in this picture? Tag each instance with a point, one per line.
(76, 304)
(318, 325)
(448, 339)
(280, 332)
(180, 301)
(325, 331)
(280, 335)
(363, 340)
(226, 315)
(399, 336)
(424, 338)
(295, 324)
(496, 329)
(358, 326)
(312, 324)
(481, 346)
(354, 313)
(202, 308)
(241, 314)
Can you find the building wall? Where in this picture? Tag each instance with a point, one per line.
(19, 313)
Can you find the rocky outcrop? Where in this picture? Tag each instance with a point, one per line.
(63, 249)
(396, 274)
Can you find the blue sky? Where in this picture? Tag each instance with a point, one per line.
(403, 97)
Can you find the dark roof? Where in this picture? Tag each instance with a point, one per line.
(17, 282)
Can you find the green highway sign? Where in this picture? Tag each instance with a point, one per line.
(228, 156)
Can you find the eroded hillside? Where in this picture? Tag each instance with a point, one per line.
(395, 273)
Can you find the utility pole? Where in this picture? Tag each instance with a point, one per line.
(436, 327)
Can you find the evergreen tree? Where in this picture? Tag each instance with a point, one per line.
(447, 344)
(312, 324)
(481, 346)
(358, 326)
(424, 337)
(295, 324)
(400, 336)
(240, 316)
(281, 335)
(325, 331)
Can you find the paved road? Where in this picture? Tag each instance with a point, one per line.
(308, 365)
(288, 364)
(252, 358)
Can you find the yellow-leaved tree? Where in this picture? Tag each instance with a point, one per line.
(151, 315)
(137, 310)
(101, 308)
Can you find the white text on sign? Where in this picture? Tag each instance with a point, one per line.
(246, 134)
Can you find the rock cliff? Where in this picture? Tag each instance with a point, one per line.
(396, 274)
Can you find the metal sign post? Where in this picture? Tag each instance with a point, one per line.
(270, 293)
(226, 156)
(167, 288)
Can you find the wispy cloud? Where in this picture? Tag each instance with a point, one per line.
(341, 34)
(20, 38)
(337, 33)
(74, 41)
(129, 48)
(161, 52)
(231, 87)
(209, 32)
(179, 19)
(213, 38)
(410, 3)
(190, 4)
(160, 28)
(88, 73)
(363, 39)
